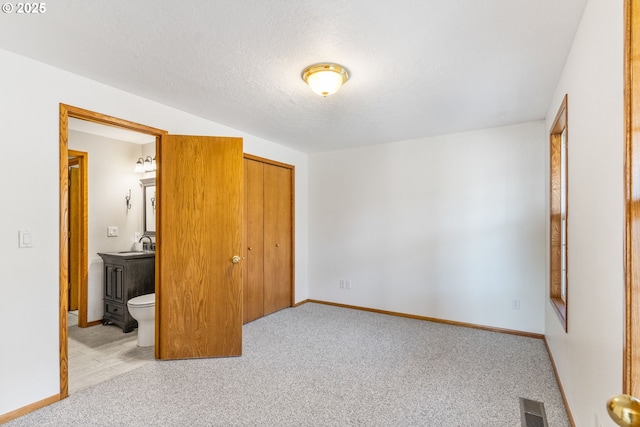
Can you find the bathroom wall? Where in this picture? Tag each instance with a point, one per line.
(148, 150)
(110, 176)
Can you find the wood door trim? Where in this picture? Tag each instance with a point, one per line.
(81, 159)
(268, 161)
(103, 119)
(631, 374)
(65, 112)
(293, 216)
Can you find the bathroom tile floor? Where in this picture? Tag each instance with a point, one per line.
(72, 318)
(101, 352)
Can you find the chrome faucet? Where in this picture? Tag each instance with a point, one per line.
(147, 246)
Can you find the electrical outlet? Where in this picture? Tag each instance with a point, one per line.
(341, 283)
(347, 284)
(515, 304)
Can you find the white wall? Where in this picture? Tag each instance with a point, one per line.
(450, 227)
(111, 176)
(589, 356)
(29, 111)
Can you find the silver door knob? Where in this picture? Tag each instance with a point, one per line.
(235, 259)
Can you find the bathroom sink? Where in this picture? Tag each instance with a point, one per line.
(135, 252)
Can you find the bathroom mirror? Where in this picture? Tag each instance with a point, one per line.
(149, 214)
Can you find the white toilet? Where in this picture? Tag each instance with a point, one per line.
(143, 309)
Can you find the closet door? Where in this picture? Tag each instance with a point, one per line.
(277, 238)
(253, 277)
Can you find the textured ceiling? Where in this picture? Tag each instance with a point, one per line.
(418, 68)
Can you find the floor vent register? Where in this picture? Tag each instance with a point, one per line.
(532, 413)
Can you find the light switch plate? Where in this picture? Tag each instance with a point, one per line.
(112, 231)
(24, 239)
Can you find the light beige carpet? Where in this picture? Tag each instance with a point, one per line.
(319, 365)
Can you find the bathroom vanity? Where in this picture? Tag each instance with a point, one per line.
(126, 275)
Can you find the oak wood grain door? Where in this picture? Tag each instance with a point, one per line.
(253, 290)
(268, 237)
(75, 241)
(277, 238)
(199, 223)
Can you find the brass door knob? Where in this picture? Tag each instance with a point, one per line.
(624, 410)
(235, 259)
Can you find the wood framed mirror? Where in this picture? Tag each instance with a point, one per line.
(149, 212)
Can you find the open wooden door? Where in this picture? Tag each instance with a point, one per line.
(75, 241)
(199, 239)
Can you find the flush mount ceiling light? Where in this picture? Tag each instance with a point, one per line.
(325, 78)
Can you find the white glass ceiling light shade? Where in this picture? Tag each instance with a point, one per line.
(148, 164)
(325, 79)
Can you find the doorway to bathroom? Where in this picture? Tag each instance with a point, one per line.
(105, 189)
(80, 340)
(198, 206)
(101, 177)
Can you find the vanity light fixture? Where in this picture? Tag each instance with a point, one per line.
(148, 164)
(325, 78)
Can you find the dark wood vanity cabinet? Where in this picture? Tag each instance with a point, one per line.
(126, 276)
